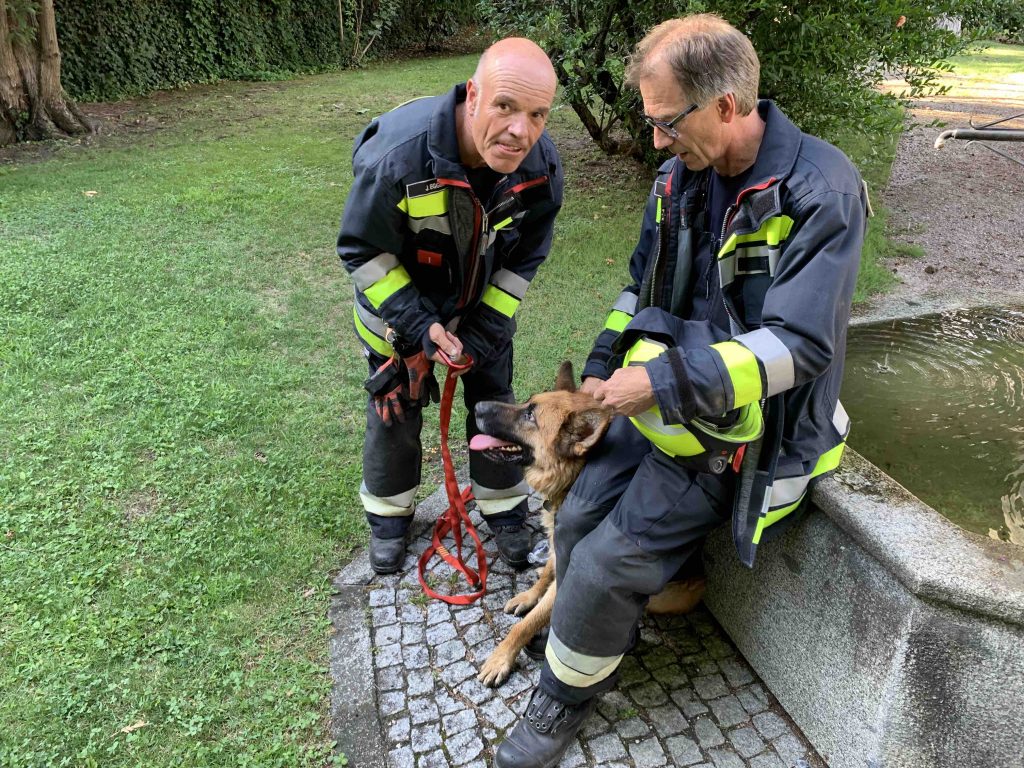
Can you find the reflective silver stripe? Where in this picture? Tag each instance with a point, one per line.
(371, 321)
(399, 505)
(492, 235)
(727, 269)
(373, 270)
(774, 254)
(774, 357)
(434, 223)
(840, 420)
(510, 282)
(626, 303)
(578, 669)
(788, 490)
(491, 501)
(751, 252)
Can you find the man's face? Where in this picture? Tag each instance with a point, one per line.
(701, 140)
(507, 110)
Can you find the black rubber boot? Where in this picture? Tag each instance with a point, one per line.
(386, 555)
(544, 734)
(513, 543)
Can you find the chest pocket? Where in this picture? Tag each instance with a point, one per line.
(747, 264)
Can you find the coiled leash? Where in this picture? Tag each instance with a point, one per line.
(455, 516)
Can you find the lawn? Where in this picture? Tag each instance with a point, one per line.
(181, 410)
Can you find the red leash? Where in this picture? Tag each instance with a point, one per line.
(455, 516)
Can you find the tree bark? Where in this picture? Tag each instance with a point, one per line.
(33, 104)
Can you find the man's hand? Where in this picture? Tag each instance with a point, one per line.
(590, 385)
(628, 391)
(445, 342)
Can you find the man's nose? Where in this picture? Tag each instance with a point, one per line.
(661, 140)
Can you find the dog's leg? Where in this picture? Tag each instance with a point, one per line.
(678, 597)
(526, 600)
(499, 664)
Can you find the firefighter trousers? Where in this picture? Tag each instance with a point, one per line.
(392, 456)
(633, 518)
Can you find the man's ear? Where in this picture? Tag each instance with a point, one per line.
(582, 430)
(472, 97)
(566, 379)
(726, 106)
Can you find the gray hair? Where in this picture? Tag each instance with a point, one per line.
(708, 56)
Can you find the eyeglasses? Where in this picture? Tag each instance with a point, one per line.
(666, 126)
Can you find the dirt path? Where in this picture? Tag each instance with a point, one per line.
(963, 205)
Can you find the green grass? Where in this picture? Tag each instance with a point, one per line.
(181, 412)
(996, 61)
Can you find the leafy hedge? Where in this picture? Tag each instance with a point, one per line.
(115, 48)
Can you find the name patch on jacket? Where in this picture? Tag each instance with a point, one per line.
(421, 188)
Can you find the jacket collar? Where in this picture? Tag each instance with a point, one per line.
(780, 145)
(442, 136)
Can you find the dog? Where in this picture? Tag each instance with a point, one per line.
(550, 436)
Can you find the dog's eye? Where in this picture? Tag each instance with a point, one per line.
(529, 415)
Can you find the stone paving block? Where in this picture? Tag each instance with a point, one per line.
(399, 730)
(411, 614)
(464, 747)
(710, 687)
(647, 754)
(683, 751)
(419, 682)
(412, 633)
(631, 728)
(737, 672)
(686, 699)
(459, 721)
(606, 748)
(381, 597)
(387, 635)
(517, 683)
(648, 694)
(476, 633)
(415, 656)
(423, 710)
(475, 691)
(401, 758)
(667, 720)
(441, 633)
(390, 679)
(435, 759)
(499, 715)
(380, 617)
(753, 698)
(612, 703)
(447, 704)
(388, 656)
(573, 757)
(790, 749)
(447, 653)
(725, 759)
(595, 725)
(631, 673)
(687, 644)
(391, 703)
(707, 733)
(468, 616)
(729, 712)
(746, 742)
(437, 612)
(770, 725)
(482, 651)
(718, 647)
(671, 676)
(766, 760)
(425, 737)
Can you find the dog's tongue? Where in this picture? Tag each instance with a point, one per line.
(483, 442)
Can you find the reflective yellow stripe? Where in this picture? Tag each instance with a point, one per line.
(827, 462)
(497, 299)
(617, 321)
(375, 342)
(772, 232)
(434, 204)
(657, 216)
(743, 371)
(504, 223)
(393, 281)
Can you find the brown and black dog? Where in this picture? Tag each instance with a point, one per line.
(550, 435)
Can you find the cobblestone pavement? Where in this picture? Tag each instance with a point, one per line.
(685, 697)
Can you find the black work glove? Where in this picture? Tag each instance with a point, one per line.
(422, 383)
(386, 385)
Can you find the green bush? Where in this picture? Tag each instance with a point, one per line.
(116, 48)
(1001, 20)
(819, 58)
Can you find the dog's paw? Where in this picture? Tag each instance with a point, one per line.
(521, 604)
(495, 670)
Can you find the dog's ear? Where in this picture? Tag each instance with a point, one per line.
(566, 379)
(582, 430)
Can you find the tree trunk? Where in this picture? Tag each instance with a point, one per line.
(33, 104)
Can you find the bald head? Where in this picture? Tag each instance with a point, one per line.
(508, 101)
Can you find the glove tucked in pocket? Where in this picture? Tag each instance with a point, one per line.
(386, 385)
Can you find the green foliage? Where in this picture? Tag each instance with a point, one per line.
(819, 58)
(1001, 20)
(116, 48)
